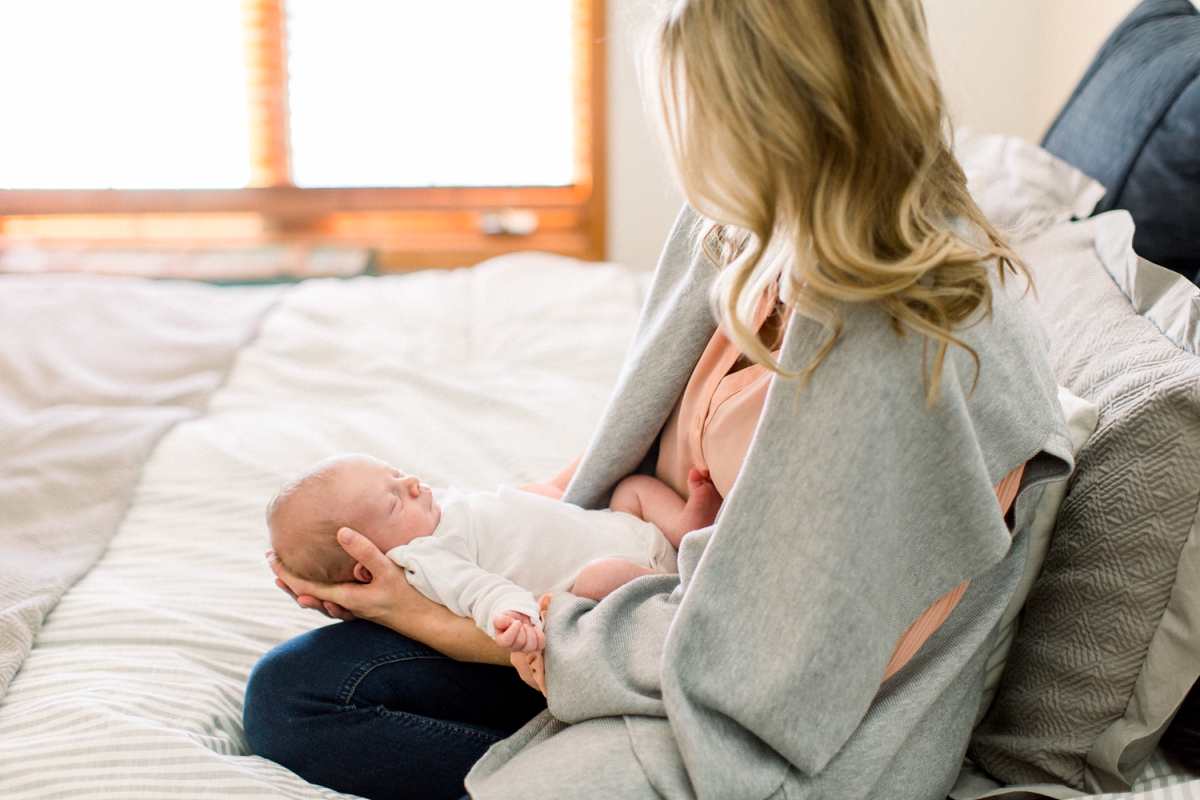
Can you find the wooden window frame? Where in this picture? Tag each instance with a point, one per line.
(409, 227)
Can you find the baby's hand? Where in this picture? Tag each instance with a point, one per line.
(517, 633)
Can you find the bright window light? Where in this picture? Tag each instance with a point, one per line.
(431, 92)
(124, 94)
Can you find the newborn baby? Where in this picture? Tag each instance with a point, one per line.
(484, 555)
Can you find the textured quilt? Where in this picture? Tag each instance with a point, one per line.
(92, 372)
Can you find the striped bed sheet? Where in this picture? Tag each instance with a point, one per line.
(134, 686)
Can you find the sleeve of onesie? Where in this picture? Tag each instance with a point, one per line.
(459, 584)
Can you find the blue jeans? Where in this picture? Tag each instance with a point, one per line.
(361, 709)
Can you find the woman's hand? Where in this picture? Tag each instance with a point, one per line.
(385, 597)
(384, 592)
(329, 609)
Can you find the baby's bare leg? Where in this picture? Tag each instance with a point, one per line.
(654, 501)
(598, 579)
(649, 499)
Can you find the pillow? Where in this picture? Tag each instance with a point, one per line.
(1020, 187)
(1082, 417)
(1106, 650)
(1132, 125)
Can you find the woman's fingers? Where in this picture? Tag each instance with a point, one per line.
(387, 595)
(361, 549)
(306, 594)
(303, 600)
(286, 588)
(337, 612)
(294, 586)
(530, 668)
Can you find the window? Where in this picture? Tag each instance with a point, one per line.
(440, 133)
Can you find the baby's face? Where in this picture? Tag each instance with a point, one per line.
(382, 503)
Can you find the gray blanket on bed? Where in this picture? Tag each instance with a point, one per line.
(93, 370)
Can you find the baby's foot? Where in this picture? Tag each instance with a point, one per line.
(703, 502)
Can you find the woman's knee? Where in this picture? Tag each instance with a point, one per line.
(305, 678)
(271, 693)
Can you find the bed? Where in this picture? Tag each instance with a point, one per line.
(165, 414)
(145, 424)
(173, 435)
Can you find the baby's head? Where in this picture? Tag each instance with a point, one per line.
(352, 491)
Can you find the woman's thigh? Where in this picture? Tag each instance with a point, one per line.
(359, 708)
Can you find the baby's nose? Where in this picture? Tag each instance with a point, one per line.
(411, 484)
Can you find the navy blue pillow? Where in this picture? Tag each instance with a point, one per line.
(1133, 124)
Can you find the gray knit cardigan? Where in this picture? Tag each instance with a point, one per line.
(758, 671)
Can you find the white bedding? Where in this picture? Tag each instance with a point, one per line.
(474, 377)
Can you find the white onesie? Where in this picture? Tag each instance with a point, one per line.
(500, 551)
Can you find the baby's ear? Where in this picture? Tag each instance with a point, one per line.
(361, 573)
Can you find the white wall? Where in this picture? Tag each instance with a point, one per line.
(1007, 66)
(643, 198)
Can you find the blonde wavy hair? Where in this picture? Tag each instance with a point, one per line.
(813, 137)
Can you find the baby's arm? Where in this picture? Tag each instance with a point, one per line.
(652, 500)
(446, 575)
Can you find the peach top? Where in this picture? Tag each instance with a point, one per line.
(711, 427)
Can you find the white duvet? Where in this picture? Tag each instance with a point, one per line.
(474, 377)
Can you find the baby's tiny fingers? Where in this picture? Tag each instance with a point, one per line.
(506, 635)
(528, 638)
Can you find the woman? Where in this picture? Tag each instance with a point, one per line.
(874, 379)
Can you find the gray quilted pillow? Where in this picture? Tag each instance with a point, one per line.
(1106, 648)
